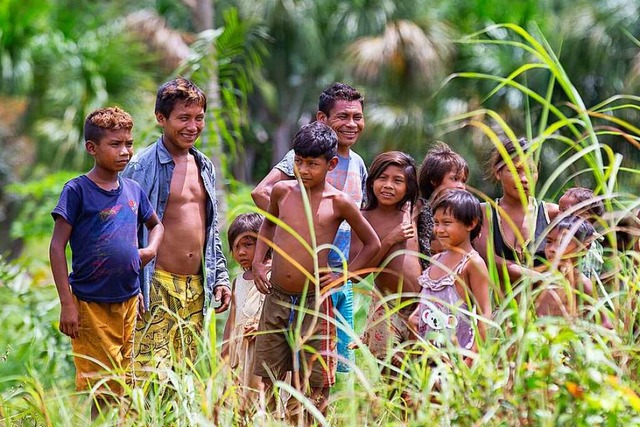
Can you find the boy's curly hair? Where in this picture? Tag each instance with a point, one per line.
(102, 120)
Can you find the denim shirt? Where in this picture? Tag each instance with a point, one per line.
(153, 168)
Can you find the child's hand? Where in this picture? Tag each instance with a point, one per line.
(70, 320)
(405, 232)
(250, 330)
(260, 271)
(146, 255)
(141, 309)
(327, 277)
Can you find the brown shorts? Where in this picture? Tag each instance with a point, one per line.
(387, 328)
(105, 342)
(292, 336)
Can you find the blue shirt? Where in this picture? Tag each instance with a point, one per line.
(105, 263)
(350, 176)
(153, 168)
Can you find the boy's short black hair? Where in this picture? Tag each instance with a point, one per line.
(178, 89)
(581, 194)
(316, 140)
(438, 162)
(102, 120)
(463, 206)
(338, 91)
(582, 229)
(393, 158)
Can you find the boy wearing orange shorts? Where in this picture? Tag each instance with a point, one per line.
(98, 215)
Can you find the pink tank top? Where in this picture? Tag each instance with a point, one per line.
(441, 319)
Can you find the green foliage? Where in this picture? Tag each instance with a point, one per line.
(30, 343)
(37, 199)
(530, 371)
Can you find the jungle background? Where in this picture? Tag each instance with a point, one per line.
(429, 70)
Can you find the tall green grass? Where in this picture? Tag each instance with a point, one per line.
(529, 370)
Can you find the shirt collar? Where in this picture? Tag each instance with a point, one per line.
(163, 154)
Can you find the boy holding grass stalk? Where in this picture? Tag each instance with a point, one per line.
(566, 291)
(296, 329)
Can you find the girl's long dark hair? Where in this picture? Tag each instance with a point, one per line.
(380, 164)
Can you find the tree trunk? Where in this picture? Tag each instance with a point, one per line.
(281, 141)
(202, 15)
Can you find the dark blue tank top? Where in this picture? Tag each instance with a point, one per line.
(505, 251)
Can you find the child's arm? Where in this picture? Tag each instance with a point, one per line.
(69, 318)
(156, 232)
(231, 320)
(362, 229)
(260, 266)
(262, 193)
(400, 234)
(477, 280)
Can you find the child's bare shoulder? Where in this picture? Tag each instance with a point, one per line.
(476, 263)
(340, 197)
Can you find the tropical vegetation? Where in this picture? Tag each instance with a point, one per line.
(564, 74)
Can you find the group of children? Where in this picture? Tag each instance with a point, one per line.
(418, 230)
(428, 274)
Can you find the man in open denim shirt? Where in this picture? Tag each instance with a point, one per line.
(190, 269)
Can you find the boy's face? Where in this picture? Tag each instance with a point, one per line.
(566, 202)
(313, 170)
(346, 119)
(243, 249)
(560, 244)
(113, 151)
(509, 181)
(183, 126)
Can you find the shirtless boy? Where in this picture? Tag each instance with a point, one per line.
(295, 294)
(190, 269)
(340, 107)
(568, 292)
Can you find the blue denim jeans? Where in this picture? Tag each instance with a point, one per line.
(342, 300)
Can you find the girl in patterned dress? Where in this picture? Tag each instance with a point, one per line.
(457, 281)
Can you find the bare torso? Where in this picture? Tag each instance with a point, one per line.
(521, 221)
(326, 221)
(184, 221)
(403, 270)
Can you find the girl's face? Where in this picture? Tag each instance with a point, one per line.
(390, 186)
(560, 244)
(509, 181)
(243, 250)
(450, 231)
(454, 180)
